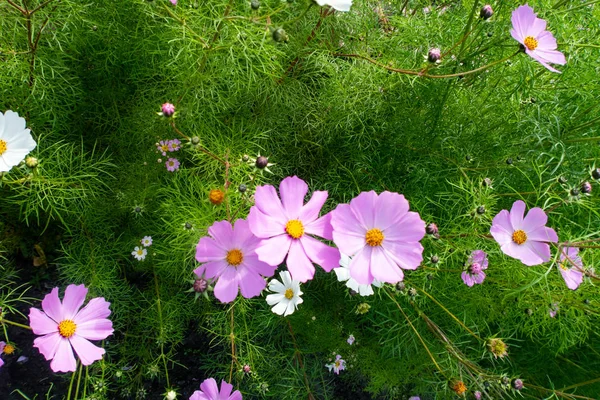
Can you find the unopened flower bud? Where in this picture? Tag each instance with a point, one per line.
(255, 4)
(242, 188)
(245, 157)
(586, 187)
(518, 384)
(246, 369)
(279, 35)
(486, 12)
(262, 162)
(216, 196)
(400, 286)
(575, 192)
(200, 285)
(195, 140)
(596, 173)
(562, 180)
(509, 161)
(188, 226)
(434, 259)
(487, 182)
(481, 210)
(477, 395)
(431, 229)
(31, 162)
(168, 109)
(434, 55)
(137, 210)
(171, 395)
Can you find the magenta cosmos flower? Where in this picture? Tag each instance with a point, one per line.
(571, 267)
(286, 225)
(65, 327)
(381, 235)
(230, 255)
(525, 239)
(476, 263)
(210, 391)
(539, 43)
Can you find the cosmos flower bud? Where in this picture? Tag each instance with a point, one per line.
(586, 187)
(246, 369)
(509, 161)
(431, 229)
(487, 182)
(255, 4)
(400, 286)
(200, 285)
(434, 259)
(262, 162)
(242, 188)
(195, 140)
(481, 210)
(562, 180)
(168, 109)
(31, 162)
(497, 347)
(188, 226)
(216, 196)
(434, 55)
(596, 173)
(279, 35)
(486, 12)
(245, 157)
(518, 384)
(574, 192)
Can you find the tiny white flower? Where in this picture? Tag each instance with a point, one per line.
(350, 339)
(15, 141)
(147, 241)
(340, 5)
(343, 275)
(139, 253)
(287, 294)
(171, 395)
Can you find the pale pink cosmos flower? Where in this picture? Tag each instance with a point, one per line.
(571, 267)
(65, 327)
(524, 238)
(476, 263)
(380, 234)
(229, 255)
(210, 391)
(539, 43)
(286, 227)
(338, 365)
(172, 164)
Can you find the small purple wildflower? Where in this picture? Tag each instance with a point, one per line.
(174, 145)
(477, 395)
(172, 164)
(553, 310)
(350, 339)
(434, 55)
(518, 384)
(174, 2)
(163, 146)
(338, 365)
(476, 264)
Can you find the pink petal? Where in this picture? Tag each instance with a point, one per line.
(543, 234)
(546, 41)
(222, 232)
(73, 300)
(517, 36)
(48, 345)
(263, 225)
(97, 329)
(536, 56)
(389, 209)
(535, 218)
(321, 227)
(479, 278)
(272, 251)
(522, 18)
(537, 253)
(572, 277)
(226, 389)
(40, 323)
(268, 203)
(242, 236)
(406, 255)
(360, 266)
(226, 289)
(515, 250)
(467, 279)
(251, 283)
(501, 229)
(210, 389)
(516, 215)
(538, 26)
(52, 306)
(383, 269)
(292, 190)
(298, 263)
(252, 262)
(319, 253)
(348, 234)
(208, 249)
(363, 207)
(551, 56)
(310, 211)
(96, 308)
(87, 352)
(411, 228)
(64, 360)
(198, 395)
(212, 269)
(236, 396)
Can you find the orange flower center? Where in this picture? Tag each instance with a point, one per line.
(9, 349)
(530, 42)
(459, 388)
(216, 196)
(3, 147)
(374, 237)
(66, 328)
(519, 236)
(563, 266)
(294, 228)
(164, 147)
(289, 294)
(234, 257)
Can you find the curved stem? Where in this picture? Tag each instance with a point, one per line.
(3, 321)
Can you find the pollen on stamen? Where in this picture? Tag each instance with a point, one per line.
(530, 42)
(67, 328)
(294, 228)
(3, 147)
(374, 237)
(234, 257)
(289, 294)
(519, 236)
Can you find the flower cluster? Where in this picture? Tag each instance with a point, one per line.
(140, 252)
(168, 146)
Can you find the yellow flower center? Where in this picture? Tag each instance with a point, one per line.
(234, 257)
(140, 252)
(563, 266)
(337, 363)
(2, 147)
(67, 328)
(519, 237)
(294, 228)
(374, 237)
(289, 294)
(459, 388)
(530, 42)
(164, 147)
(9, 349)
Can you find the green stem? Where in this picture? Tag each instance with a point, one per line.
(78, 380)
(2, 321)
(71, 385)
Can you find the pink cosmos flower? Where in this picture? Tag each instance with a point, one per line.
(539, 43)
(286, 226)
(163, 146)
(65, 327)
(2, 346)
(381, 235)
(476, 264)
(337, 366)
(210, 391)
(524, 238)
(230, 255)
(172, 164)
(174, 145)
(174, 2)
(571, 267)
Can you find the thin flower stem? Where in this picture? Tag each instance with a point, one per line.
(185, 25)
(580, 384)
(71, 384)
(450, 314)
(557, 392)
(589, 3)
(15, 6)
(202, 149)
(3, 321)
(298, 355)
(232, 339)
(589, 139)
(161, 323)
(80, 369)
(416, 332)
(299, 17)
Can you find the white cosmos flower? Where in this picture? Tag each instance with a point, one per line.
(15, 141)
(139, 253)
(287, 294)
(343, 275)
(340, 5)
(147, 241)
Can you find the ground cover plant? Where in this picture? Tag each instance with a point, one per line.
(299, 200)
